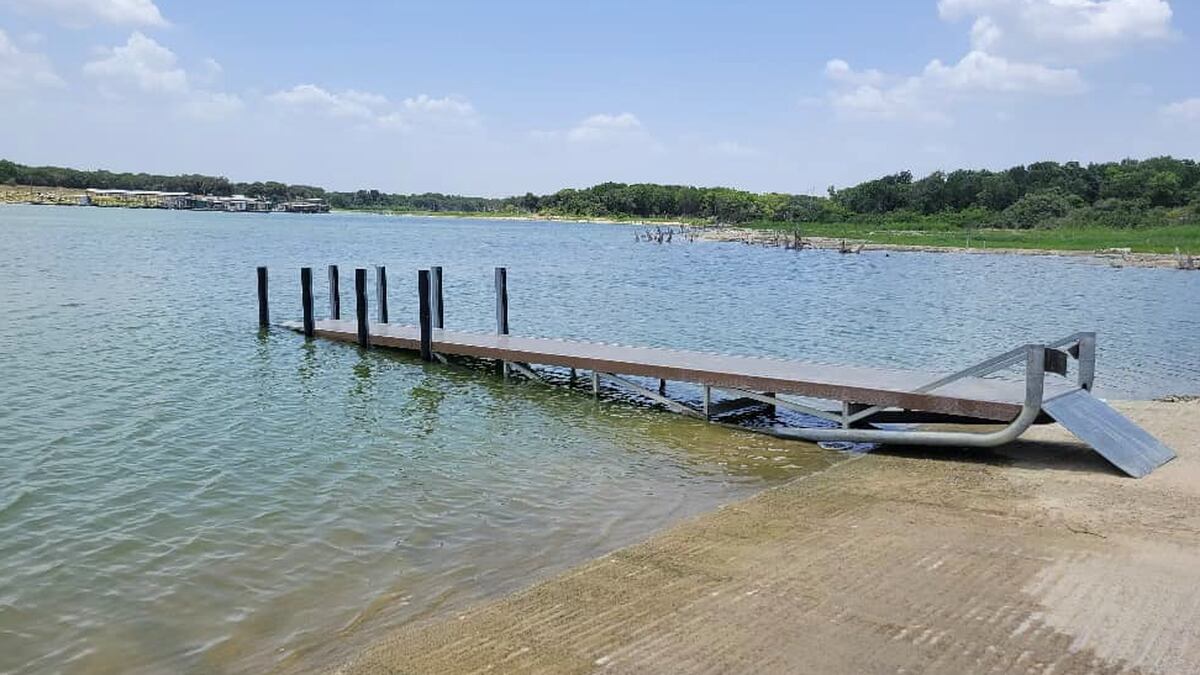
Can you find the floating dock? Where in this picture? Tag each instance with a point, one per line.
(865, 398)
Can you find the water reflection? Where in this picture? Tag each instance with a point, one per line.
(308, 366)
(424, 403)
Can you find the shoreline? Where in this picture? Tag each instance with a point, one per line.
(1034, 555)
(774, 238)
(1116, 258)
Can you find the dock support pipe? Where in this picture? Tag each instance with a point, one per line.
(1035, 375)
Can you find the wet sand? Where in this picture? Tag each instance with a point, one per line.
(1035, 557)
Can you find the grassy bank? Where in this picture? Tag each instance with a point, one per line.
(1161, 239)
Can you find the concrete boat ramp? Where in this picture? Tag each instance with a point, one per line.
(1035, 557)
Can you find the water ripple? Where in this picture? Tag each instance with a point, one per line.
(181, 493)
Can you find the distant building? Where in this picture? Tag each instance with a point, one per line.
(158, 199)
(313, 205)
(236, 203)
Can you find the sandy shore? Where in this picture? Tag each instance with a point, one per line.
(1036, 557)
(1112, 258)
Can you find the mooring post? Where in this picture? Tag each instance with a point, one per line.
(360, 306)
(595, 384)
(264, 312)
(335, 293)
(707, 402)
(381, 292)
(502, 309)
(306, 299)
(425, 315)
(435, 298)
(501, 301)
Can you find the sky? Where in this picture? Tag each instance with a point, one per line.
(496, 98)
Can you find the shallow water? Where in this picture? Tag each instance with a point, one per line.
(178, 492)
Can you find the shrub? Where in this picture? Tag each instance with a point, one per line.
(1039, 209)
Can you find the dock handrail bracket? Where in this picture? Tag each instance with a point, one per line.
(1081, 346)
(1035, 372)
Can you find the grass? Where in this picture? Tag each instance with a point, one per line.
(1157, 239)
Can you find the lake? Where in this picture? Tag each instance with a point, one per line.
(181, 493)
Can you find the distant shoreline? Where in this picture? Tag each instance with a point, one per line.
(1115, 257)
(854, 241)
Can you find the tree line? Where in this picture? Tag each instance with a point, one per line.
(1128, 193)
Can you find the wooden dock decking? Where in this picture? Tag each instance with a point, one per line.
(975, 397)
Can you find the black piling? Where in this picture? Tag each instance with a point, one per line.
(335, 293)
(502, 312)
(502, 301)
(360, 306)
(264, 312)
(381, 294)
(435, 294)
(306, 299)
(425, 315)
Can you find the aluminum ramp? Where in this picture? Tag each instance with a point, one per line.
(1114, 436)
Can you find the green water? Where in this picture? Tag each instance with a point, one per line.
(180, 493)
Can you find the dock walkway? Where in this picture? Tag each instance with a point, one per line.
(871, 400)
(990, 399)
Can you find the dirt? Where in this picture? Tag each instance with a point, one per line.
(27, 194)
(1035, 557)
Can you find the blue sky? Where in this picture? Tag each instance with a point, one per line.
(502, 97)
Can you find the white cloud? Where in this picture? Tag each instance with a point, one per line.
(602, 126)
(979, 71)
(211, 105)
(20, 70)
(926, 96)
(1187, 109)
(141, 64)
(985, 34)
(143, 67)
(449, 105)
(840, 71)
(1066, 30)
(419, 111)
(210, 71)
(987, 69)
(350, 103)
(907, 98)
(79, 12)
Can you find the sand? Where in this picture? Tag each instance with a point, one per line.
(1037, 557)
